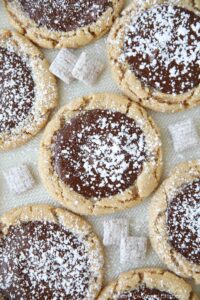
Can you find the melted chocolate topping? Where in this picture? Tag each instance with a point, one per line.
(99, 153)
(162, 48)
(145, 293)
(42, 261)
(183, 222)
(16, 90)
(64, 15)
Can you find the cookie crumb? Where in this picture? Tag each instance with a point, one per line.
(114, 231)
(184, 135)
(63, 65)
(19, 179)
(87, 69)
(133, 249)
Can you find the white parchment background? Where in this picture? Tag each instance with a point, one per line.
(138, 216)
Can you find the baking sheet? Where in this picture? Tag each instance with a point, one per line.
(28, 154)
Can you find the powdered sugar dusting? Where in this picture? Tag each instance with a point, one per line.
(183, 219)
(145, 293)
(65, 15)
(16, 89)
(162, 47)
(100, 153)
(42, 260)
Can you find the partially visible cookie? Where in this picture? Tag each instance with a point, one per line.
(28, 91)
(58, 24)
(174, 220)
(48, 253)
(155, 284)
(154, 51)
(100, 153)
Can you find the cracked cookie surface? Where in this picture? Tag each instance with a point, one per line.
(155, 284)
(174, 220)
(28, 91)
(154, 53)
(58, 24)
(48, 252)
(100, 154)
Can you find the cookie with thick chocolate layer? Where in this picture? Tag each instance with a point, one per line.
(154, 284)
(28, 91)
(154, 51)
(48, 253)
(100, 153)
(63, 23)
(174, 220)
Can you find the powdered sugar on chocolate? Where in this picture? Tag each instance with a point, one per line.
(162, 47)
(145, 293)
(64, 15)
(42, 260)
(99, 153)
(183, 221)
(16, 90)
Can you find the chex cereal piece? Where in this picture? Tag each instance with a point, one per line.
(87, 69)
(19, 179)
(133, 249)
(184, 135)
(63, 65)
(114, 231)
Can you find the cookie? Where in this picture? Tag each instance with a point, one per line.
(174, 220)
(61, 24)
(28, 91)
(48, 253)
(101, 153)
(154, 51)
(155, 284)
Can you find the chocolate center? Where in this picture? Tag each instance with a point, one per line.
(183, 222)
(16, 90)
(64, 15)
(42, 261)
(99, 153)
(162, 48)
(146, 293)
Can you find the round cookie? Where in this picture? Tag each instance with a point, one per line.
(60, 24)
(174, 220)
(28, 91)
(48, 253)
(100, 153)
(155, 284)
(154, 53)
